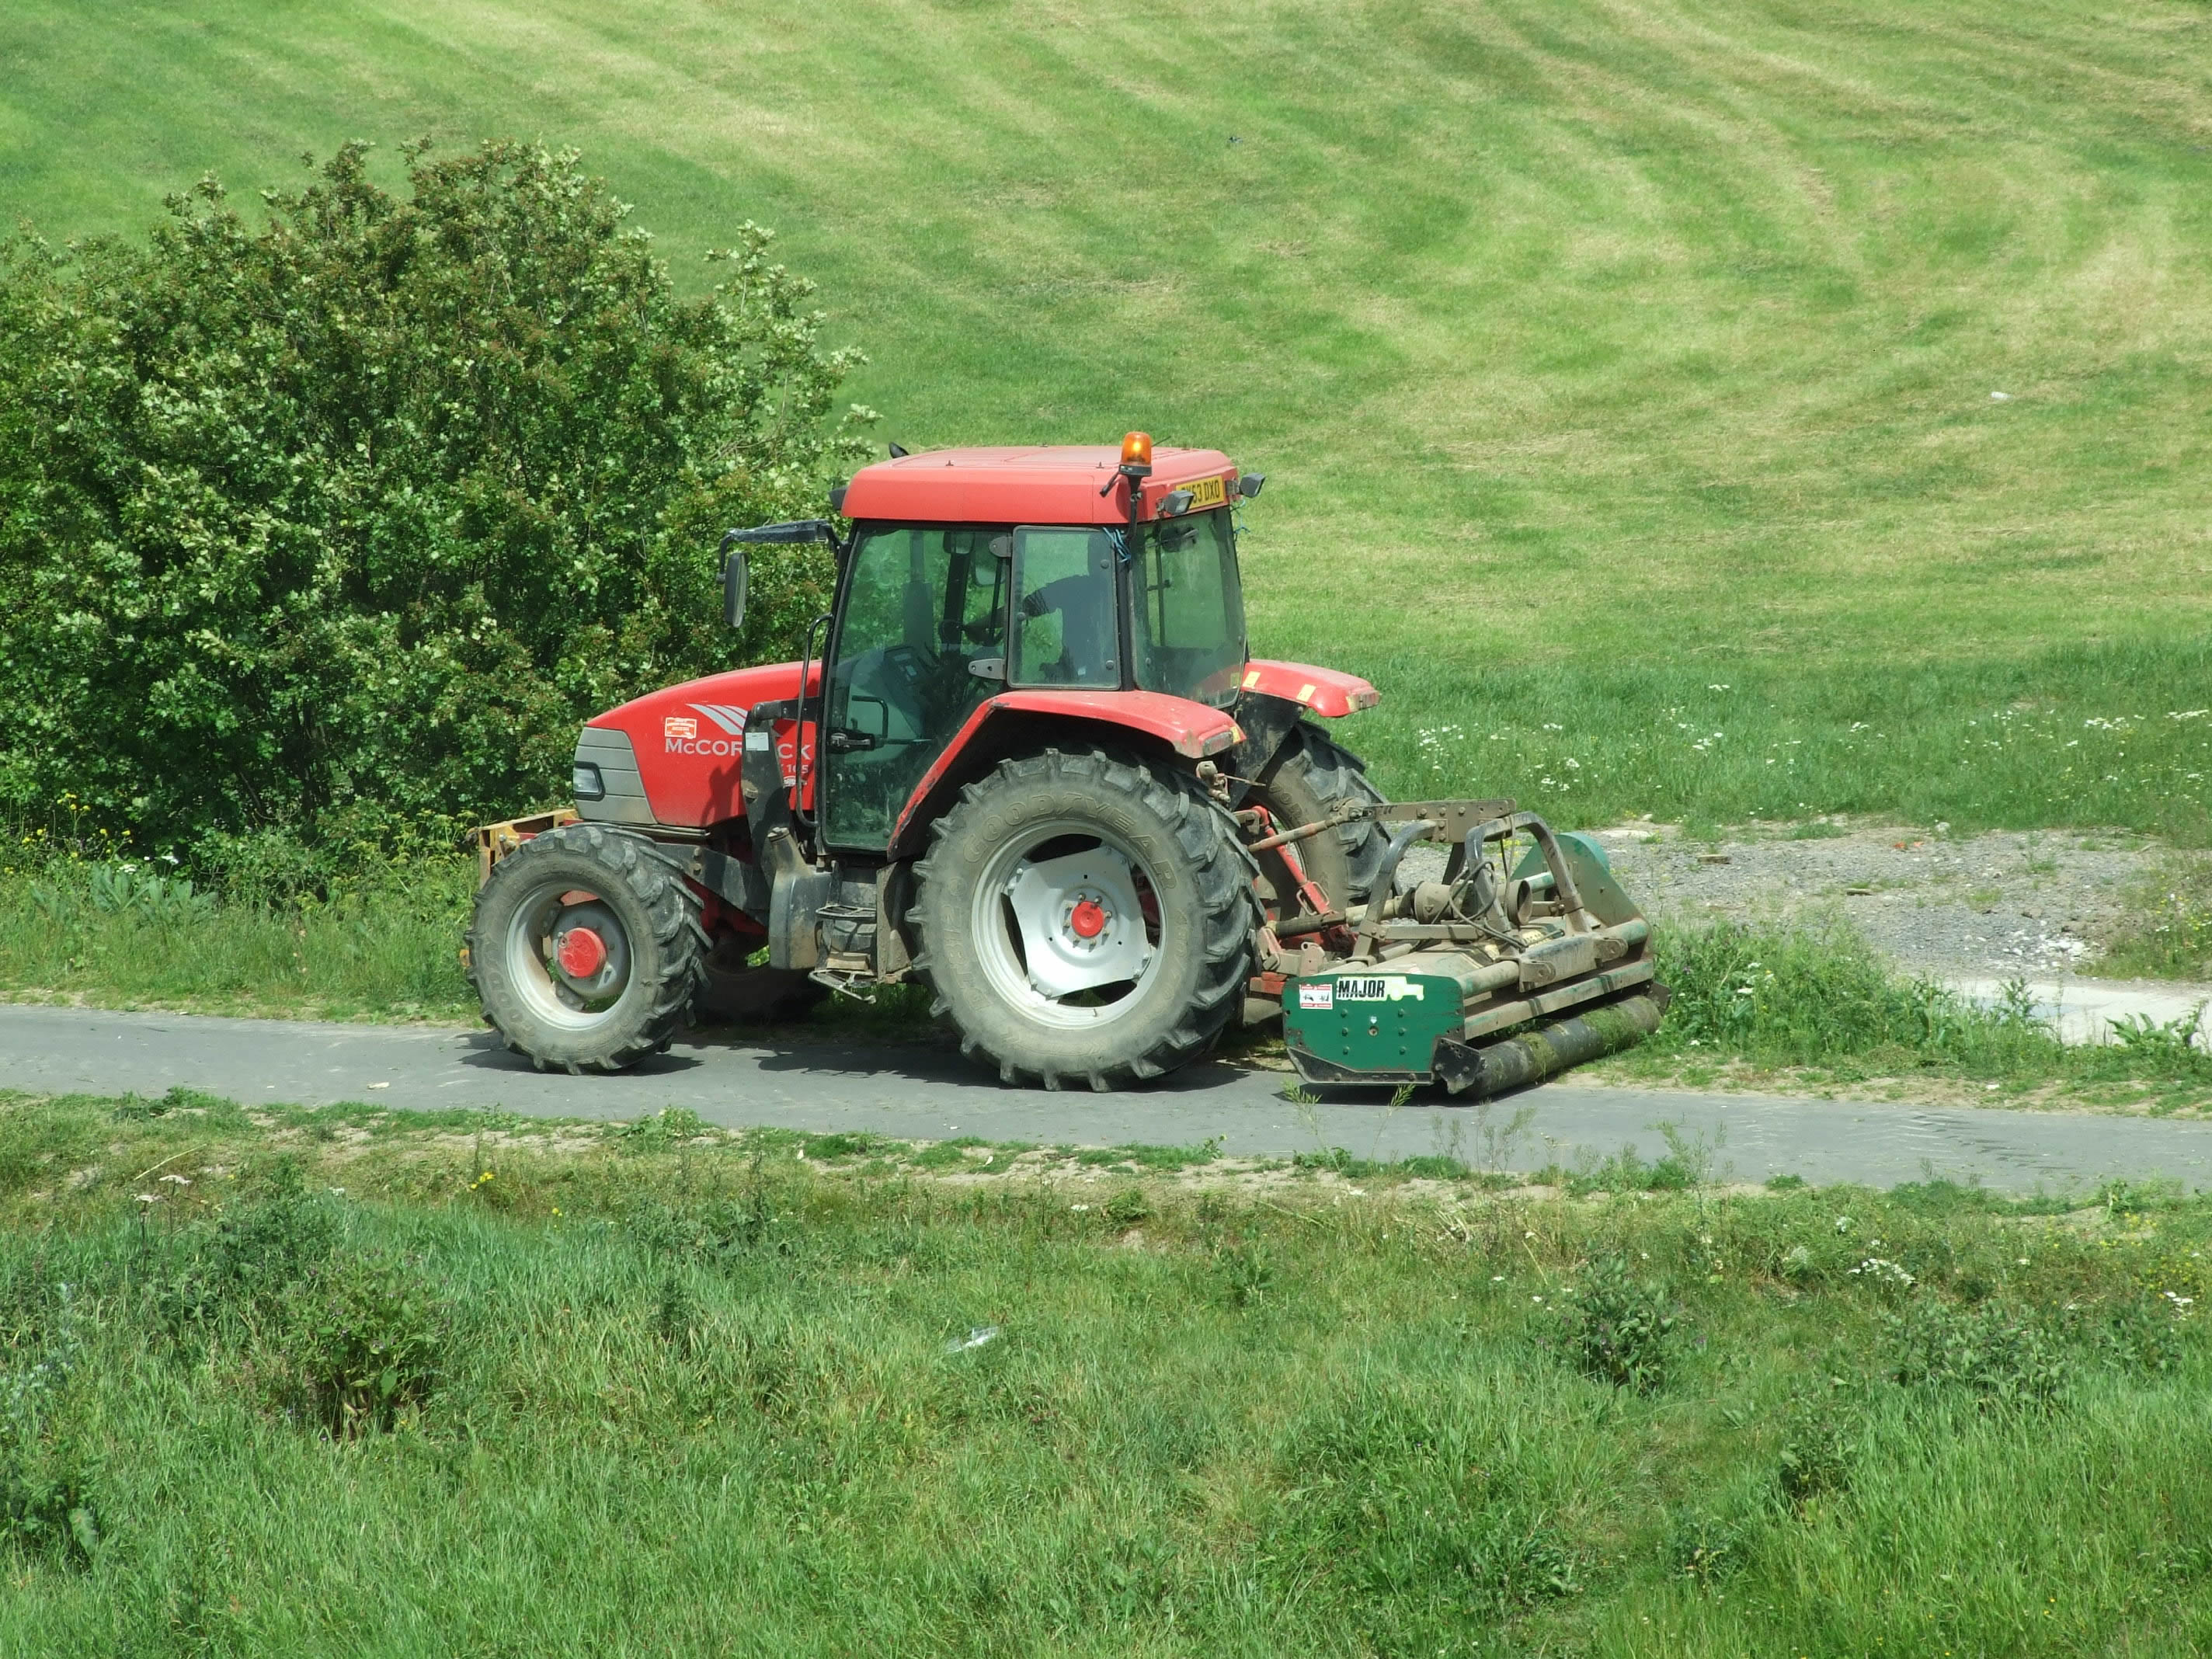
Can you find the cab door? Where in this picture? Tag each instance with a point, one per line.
(921, 602)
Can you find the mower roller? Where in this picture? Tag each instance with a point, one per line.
(1028, 760)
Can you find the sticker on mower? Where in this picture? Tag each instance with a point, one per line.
(1322, 995)
(1395, 988)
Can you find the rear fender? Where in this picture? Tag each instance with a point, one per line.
(1324, 692)
(1173, 730)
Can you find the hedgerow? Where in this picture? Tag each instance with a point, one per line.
(336, 520)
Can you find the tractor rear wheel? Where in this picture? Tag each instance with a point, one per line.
(1084, 918)
(586, 948)
(1307, 777)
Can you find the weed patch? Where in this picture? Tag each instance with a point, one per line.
(2168, 930)
(1619, 1328)
(1821, 1429)
(1998, 1354)
(364, 1342)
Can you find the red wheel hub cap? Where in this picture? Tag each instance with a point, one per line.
(1089, 919)
(581, 952)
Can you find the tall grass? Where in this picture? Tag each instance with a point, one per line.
(1818, 996)
(2168, 932)
(684, 1393)
(388, 947)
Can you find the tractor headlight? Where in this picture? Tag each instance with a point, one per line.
(585, 781)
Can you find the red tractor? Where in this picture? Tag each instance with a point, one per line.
(1032, 766)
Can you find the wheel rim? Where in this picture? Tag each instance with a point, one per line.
(569, 956)
(1067, 925)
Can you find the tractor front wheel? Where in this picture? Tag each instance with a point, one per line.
(586, 948)
(1086, 918)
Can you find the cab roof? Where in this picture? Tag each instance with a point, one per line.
(1036, 484)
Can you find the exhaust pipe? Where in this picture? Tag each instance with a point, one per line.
(1548, 1049)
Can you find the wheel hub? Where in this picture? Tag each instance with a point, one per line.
(581, 952)
(1080, 921)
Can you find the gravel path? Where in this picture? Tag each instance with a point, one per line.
(1999, 905)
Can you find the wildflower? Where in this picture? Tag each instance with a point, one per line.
(178, 1180)
(1079, 1207)
(1885, 1273)
(150, 1198)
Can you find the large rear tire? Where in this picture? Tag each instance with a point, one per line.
(1084, 918)
(1310, 774)
(586, 949)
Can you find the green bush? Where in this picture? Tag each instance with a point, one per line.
(2000, 1355)
(335, 522)
(1619, 1329)
(1820, 1437)
(365, 1342)
(246, 1264)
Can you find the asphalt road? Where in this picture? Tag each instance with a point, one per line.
(923, 1093)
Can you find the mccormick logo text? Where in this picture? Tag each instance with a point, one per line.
(679, 734)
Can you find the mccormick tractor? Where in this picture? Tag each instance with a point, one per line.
(1031, 764)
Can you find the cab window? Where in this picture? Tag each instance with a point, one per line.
(921, 604)
(1064, 614)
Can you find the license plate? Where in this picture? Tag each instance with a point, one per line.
(1207, 492)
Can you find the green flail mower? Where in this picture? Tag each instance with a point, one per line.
(1522, 959)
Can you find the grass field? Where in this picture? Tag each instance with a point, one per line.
(356, 1383)
(1624, 370)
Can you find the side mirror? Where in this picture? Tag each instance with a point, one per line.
(733, 589)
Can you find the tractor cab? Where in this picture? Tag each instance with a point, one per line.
(934, 619)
